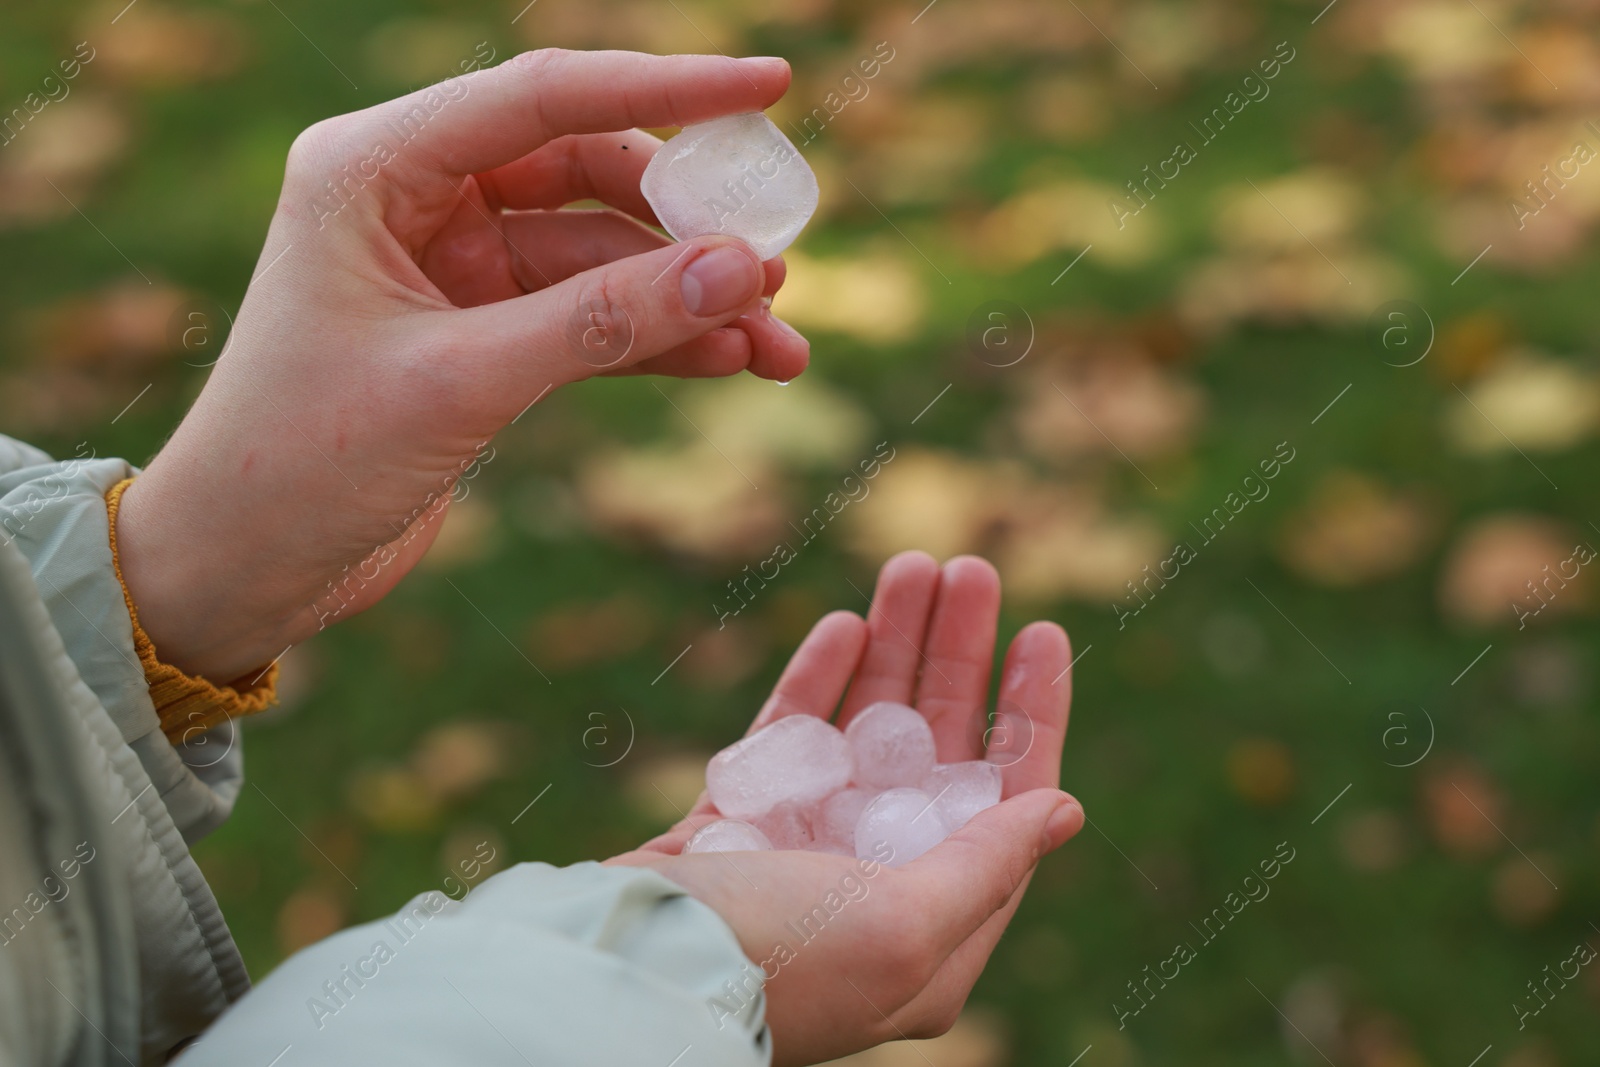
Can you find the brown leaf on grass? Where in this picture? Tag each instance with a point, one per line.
(94, 354)
(663, 786)
(806, 424)
(460, 758)
(57, 156)
(936, 501)
(1114, 399)
(1354, 530)
(1337, 285)
(1015, 29)
(159, 46)
(1063, 216)
(722, 658)
(1528, 402)
(1469, 346)
(689, 499)
(1485, 223)
(1058, 542)
(1461, 806)
(1437, 41)
(582, 634)
(1537, 1051)
(1176, 40)
(1504, 565)
(1464, 150)
(1047, 539)
(1522, 892)
(1378, 1039)
(1318, 206)
(124, 326)
(311, 913)
(449, 762)
(1261, 771)
(392, 798)
(1563, 64)
(929, 149)
(875, 295)
(1291, 252)
(469, 533)
(1545, 163)
(54, 400)
(1335, 138)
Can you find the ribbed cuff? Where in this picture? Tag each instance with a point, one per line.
(187, 706)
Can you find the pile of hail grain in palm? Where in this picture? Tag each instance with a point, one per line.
(870, 791)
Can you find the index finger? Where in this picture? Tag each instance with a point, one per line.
(585, 166)
(489, 118)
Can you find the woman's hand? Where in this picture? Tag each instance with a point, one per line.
(416, 294)
(856, 953)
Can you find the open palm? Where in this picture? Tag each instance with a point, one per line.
(854, 953)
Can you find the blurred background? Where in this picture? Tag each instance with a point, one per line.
(1371, 254)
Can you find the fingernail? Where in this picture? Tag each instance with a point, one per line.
(719, 281)
(762, 59)
(1066, 821)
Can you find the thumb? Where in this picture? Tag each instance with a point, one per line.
(617, 314)
(975, 871)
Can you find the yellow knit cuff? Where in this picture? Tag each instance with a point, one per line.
(187, 706)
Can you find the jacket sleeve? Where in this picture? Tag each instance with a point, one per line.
(538, 965)
(55, 513)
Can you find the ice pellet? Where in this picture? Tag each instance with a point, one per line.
(799, 758)
(892, 746)
(736, 175)
(907, 820)
(961, 790)
(787, 826)
(834, 823)
(728, 835)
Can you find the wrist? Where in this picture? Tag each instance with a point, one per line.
(203, 616)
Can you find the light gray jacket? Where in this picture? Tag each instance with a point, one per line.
(113, 949)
